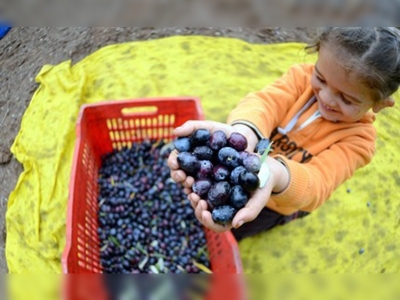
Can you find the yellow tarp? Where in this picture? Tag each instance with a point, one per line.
(220, 71)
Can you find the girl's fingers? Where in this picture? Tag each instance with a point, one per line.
(188, 182)
(205, 218)
(253, 207)
(178, 176)
(209, 223)
(187, 191)
(198, 211)
(191, 126)
(194, 200)
(173, 160)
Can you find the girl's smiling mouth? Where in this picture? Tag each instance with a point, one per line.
(327, 108)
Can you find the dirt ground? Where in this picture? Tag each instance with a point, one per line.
(24, 50)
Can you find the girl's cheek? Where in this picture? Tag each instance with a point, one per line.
(314, 83)
(355, 111)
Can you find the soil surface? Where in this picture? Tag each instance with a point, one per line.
(24, 50)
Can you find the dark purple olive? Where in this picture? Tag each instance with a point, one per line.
(234, 177)
(220, 173)
(210, 207)
(203, 152)
(252, 163)
(218, 140)
(205, 170)
(219, 193)
(243, 154)
(188, 162)
(182, 144)
(223, 215)
(239, 197)
(249, 181)
(237, 141)
(200, 137)
(229, 157)
(201, 187)
(261, 146)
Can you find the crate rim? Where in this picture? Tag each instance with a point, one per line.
(131, 101)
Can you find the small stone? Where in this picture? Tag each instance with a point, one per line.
(361, 251)
(348, 191)
(368, 204)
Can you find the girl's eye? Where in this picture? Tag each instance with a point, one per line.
(345, 101)
(320, 79)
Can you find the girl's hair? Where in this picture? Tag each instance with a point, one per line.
(373, 53)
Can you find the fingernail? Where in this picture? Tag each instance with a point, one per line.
(240, 223)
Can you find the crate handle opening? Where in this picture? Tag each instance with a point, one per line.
(139, 110)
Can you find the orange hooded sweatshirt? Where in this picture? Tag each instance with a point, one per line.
(319, 154)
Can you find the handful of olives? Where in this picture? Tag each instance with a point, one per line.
(225, 173)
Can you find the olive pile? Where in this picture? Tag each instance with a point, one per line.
(146, 224)
(225, 173)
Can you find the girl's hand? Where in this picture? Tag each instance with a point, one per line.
(278, 179)
(277, 182)
(191, 126)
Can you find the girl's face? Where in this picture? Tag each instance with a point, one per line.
(340, 97)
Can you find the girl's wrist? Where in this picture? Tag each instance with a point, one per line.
(280, 175)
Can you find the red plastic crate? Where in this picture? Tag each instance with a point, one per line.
(101, 128)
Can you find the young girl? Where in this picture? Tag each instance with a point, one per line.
(318, 117)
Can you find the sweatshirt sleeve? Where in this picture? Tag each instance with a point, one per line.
(312, 183)
(264, 110)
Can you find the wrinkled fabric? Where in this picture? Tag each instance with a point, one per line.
(364, 213)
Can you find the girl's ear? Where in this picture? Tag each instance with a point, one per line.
(377, 107)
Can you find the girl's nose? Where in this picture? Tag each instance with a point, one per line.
(328, 97)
